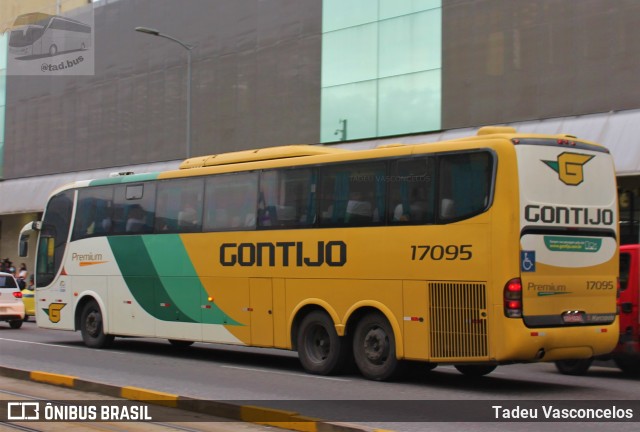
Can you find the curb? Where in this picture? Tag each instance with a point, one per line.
(282, 419)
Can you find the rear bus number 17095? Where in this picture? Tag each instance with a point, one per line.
(441, 252)
(600, 285)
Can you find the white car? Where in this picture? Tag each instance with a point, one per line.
(11, 305)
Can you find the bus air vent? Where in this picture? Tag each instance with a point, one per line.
(458, 320)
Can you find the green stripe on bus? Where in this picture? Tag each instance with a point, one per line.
(124, 179)
(142, 279)
(162, 279)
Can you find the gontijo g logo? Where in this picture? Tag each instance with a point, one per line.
(569, 167)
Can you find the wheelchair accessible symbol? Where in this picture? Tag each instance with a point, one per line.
(528, 261)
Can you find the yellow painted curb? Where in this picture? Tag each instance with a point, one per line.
(150, 396)
(290, 420)
(298, 423)
(51, 378)
(258, 414)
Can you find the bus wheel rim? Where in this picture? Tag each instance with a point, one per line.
(376, 345)
(93, 323)
(319, 344)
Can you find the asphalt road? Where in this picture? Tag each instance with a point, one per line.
(436, 400)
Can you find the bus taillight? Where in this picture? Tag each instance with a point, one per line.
(513, 298)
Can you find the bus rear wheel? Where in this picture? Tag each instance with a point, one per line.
(574, 367)
(320, 350)
(475, 370)
(92, 327)
(374, 348)
(629, 365)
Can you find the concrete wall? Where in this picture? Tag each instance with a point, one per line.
(255, 84)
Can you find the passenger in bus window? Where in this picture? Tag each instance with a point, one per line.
(188, 217)
(266, 214)
(415, 210)
(135, 220)
(400, 214)
(358, 210)
(241, 211)
(418, 207)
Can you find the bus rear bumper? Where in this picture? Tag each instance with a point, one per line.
(552, 344)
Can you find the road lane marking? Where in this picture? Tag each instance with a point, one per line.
(286, 373)
(49, 344)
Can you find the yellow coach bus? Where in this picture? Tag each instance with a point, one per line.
(475, 252)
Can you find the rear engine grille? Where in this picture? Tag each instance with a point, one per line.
(458, 324)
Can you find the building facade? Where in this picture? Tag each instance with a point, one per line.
(352, 73)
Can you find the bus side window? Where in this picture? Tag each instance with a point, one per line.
(93, 212)
(287, 198)
(231, 202)
(353, 194)
(465, 184)
(134, 208)
(180, 206)
(412, 191)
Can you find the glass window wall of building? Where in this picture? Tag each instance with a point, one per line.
(381, 68)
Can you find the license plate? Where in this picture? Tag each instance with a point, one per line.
(573, 317)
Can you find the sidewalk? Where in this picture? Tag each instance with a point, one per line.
(223, 416)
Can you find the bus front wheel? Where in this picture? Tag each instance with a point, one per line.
(320, 350)
(92, 327)
(53, 50)
(374, 348)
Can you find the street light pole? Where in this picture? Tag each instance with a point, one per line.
(154, 32)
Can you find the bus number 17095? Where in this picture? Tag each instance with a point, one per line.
(440, 252)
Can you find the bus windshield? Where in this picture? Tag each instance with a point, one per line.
(25, 36)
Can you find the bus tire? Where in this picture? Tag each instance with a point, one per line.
(573, 367)
(413, 368)
(472, 370)
(320, 350)
(629, 365)
(92, 327)
(180, 343)
(15, 324)
(53, 50)
(374, 348)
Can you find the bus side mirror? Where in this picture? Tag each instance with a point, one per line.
(23, 242)
(23, 245)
